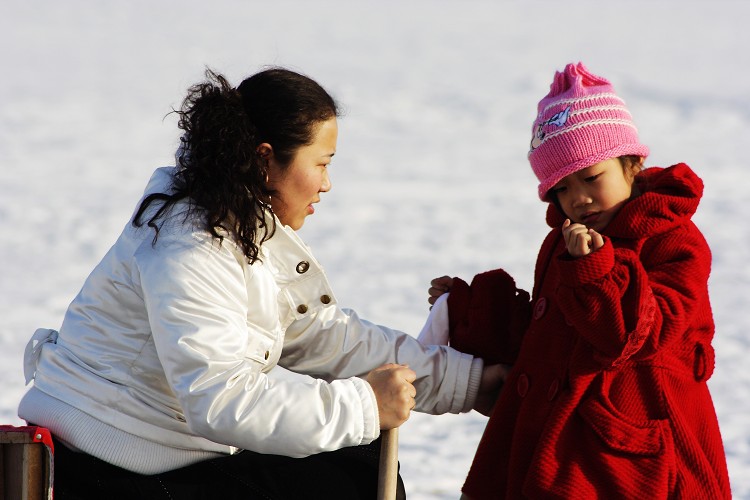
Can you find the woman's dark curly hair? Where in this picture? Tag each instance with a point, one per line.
(220, 172)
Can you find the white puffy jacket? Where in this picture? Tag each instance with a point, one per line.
(185, 345)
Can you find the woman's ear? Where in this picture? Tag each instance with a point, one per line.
(265, 151)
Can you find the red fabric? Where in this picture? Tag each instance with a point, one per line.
(36, 434)
(608, 395)
(42, 435)
(488, 317)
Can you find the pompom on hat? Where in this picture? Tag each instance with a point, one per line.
(580, 122)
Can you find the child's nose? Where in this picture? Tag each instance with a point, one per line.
(581, 197)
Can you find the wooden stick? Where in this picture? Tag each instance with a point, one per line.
(388, 467)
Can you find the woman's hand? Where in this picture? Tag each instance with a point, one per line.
(394, 392)
(493, 378)
(580, 240)
(438, 287)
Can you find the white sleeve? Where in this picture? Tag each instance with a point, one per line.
(337, 343)
(436, 330)
(197, 302)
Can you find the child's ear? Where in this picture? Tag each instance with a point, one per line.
(634, 166)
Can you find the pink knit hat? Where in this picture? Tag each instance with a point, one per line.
(579, 123)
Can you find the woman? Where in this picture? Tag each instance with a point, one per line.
(210, 327)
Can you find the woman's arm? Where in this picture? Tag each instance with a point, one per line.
(197, 302)
(337, 343)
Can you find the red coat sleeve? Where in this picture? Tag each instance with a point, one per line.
(622, 302)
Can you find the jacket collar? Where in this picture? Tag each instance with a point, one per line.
(668, 196)
(287, 253)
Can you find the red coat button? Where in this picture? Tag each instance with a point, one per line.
(523, 385)
(553, 388)
(540, 307)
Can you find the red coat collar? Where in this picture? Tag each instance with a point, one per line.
(668, 195)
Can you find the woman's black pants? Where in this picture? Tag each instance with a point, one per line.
(349, 473)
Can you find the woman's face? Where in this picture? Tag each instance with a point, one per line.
(298, 186)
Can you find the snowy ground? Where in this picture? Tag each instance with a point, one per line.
(430, 177)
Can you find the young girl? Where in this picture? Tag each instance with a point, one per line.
(607, 397)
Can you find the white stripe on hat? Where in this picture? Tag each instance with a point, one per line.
(588, 123)
(582, 111)
(575, 100)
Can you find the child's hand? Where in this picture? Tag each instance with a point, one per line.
(493, 378)
(438, 287)
(580, 240)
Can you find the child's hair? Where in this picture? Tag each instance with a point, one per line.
(631, 164)
(580, 122)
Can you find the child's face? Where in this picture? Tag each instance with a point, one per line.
(594, 195)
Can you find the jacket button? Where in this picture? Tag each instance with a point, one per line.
(303, 266)
(540, 308)
(325, 299)
(302, 308)
(523, 385)
(266, 355)
(553, 388)
(699, 363)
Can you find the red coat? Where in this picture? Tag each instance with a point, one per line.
(607, 397)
